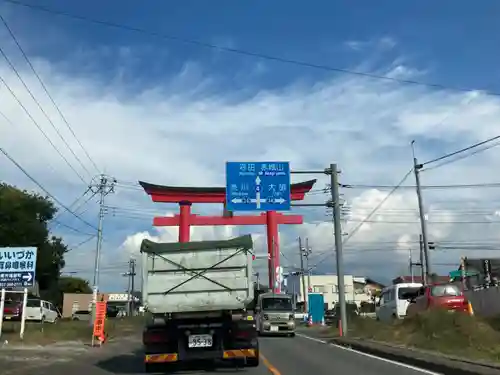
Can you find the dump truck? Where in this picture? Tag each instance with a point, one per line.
(196, 296)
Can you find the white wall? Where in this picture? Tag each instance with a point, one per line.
(328, 285)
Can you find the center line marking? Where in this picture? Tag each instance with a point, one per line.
(269, 366)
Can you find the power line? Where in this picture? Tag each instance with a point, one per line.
(40, 129)
(243, 52)
(72, 204)
(417, 222)
(46, 90)
(452, 186)
(43, 189)
(71, 228)
(356, 229)
(6, 58)
(90, 238)
(446, 156)
(461, 157)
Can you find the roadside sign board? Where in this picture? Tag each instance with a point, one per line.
(17, 267)
(258, 186)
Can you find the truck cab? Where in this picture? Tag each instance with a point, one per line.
(275, 315)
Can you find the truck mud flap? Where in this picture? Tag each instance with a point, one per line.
(240, 353)
(161, 358)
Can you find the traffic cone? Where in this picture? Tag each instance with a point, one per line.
(470, 310)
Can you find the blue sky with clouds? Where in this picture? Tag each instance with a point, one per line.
(162, 110)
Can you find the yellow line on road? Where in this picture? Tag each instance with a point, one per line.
(269, 366)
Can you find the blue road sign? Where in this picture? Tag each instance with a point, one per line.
(258, 186)
(17, 266)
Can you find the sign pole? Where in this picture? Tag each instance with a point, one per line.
(2, 306)
(23, 313)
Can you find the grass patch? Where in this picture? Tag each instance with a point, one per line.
(68, 330)
(456, 334)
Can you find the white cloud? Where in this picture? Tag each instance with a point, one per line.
(381, 44)
(170, 133)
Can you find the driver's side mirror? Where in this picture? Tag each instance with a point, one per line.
(412, 300)
(257, 309)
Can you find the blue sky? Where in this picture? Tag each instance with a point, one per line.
(170, 112)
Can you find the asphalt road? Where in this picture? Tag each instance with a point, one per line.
(280, 356)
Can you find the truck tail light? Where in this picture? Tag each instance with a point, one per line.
(242, 334)
(153, 338)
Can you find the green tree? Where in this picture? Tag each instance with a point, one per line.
(71, 284)
(24, 220)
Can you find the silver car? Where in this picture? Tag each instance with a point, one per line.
(275, 315)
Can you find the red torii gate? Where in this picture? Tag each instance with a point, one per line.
(186, 196)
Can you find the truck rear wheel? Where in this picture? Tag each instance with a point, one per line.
(253, 361)
(150, 368)
(158, 368)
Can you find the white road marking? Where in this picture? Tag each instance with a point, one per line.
(424, 371)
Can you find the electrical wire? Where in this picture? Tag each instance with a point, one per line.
(41, 130)
(14, 69)
(461, 157)
(417, 222)
(80, 244)
(356, 229)
(465, 149)
(241, 51)
(428, 187)
(7, 155)
(72, 204)
(44, 87)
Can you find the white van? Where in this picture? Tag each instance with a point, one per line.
(41, 311)
(393, 301)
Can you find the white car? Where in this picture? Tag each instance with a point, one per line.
(41, 311)
(393, 301)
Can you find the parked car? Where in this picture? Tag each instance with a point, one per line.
(41, 311)
(83, 315)
(12, 310)
(112, 311)
(393, 303)
(332, 316)
(447, 296)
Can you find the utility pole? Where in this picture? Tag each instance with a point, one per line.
(411, 267)
(104, 187)
(338, 245)
(422, 264)
(423, 223)
(130, 285)
(302, 275)
(307, 251)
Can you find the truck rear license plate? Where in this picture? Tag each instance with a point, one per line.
(200, 341)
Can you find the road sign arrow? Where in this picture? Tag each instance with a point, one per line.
(27, 277)
(257, 180)
(237, 200)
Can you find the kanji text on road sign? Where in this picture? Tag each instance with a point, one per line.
(258, 186)
(17, 266)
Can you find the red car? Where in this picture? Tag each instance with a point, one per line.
(12, 310)
(447, 296)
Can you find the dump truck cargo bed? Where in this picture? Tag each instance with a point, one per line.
(197, 276)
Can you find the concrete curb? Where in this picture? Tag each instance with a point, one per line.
(424, 360)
